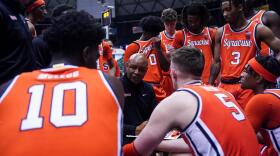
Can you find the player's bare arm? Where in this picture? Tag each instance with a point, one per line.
(163, 60)
(266, 35)
(216, 66)
(174, 146)
(272, 20)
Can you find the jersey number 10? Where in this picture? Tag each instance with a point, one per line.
(33, 119)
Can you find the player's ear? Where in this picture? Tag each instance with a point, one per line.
(259, 79)
(173, 74)
(85, 53)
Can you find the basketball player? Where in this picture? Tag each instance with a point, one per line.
(107, 63)
(269, 18)
(68, 109)
(169, 18)
(155, 51)
(236, 43)
(197, 34)
(263, 109)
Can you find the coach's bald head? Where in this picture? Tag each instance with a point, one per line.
(136, 67)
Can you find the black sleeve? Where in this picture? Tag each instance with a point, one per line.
(129, 129)
(153, 103)
(4, 87)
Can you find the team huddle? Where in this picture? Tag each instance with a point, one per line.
(216, 86)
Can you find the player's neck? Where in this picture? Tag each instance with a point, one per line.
(169, 33)
(145, 37)
(65, 60)
(240, 24)
(259, 89)
(187, 81)
(196, 31)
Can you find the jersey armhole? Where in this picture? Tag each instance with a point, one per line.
(6, 87)
(137, 45)
(255, 41)
(199, 107)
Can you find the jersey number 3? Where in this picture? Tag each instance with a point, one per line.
(33, 119)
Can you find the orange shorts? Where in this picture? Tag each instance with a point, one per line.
(242, 96)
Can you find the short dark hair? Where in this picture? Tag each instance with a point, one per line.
(270, 64)
(235, 2)
(72, 32)
(151, 24)
(60, 9)
(189, 60)
(168, 15)
(195, 10)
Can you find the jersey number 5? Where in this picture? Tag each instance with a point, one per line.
(237, 114)
(33, 119)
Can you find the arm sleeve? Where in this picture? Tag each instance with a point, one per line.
(130, 50)
(153, 101)
(129, 150)
(257, 110)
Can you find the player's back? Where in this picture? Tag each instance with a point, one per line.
(219, 126)
(67, 111)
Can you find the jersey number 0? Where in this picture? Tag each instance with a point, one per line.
(33, 119)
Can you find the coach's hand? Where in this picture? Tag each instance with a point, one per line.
(140, 127)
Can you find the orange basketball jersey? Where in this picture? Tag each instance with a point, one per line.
(65, 111)
(265, 50)
(104, 66)
(271, 127)
(237, 48)
(202, 41)
(167, 40)
(219, 126)
(154, 74)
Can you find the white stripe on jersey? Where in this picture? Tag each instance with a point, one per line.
(202, 140)
(275, 138)
(119, 112)
(8, 89)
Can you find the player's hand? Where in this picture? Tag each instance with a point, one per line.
(156, 42)
(140, 127)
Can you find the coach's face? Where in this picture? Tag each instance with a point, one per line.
(136, 69)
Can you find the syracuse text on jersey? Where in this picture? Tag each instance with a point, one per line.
(237, 43)
(197, 43)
